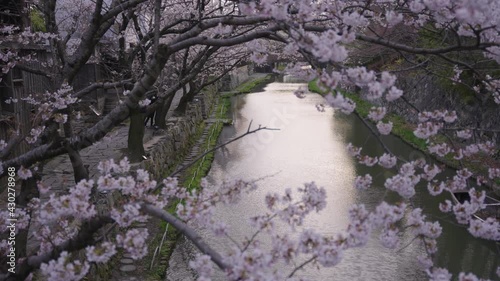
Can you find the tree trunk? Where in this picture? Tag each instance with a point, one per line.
(161, 112)
(80, 172)
(29, 190)
(187, 97)
(136, 136)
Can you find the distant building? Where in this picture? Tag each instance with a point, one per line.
(17, 84)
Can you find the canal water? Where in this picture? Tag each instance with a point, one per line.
(310, 146)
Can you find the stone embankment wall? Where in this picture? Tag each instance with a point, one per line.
(236, 78)
(173, 145)
(427, 92)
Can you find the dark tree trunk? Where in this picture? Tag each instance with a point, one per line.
(136, 136)
(80, 171)
(161, 112)
(187, 97)
(29, 190)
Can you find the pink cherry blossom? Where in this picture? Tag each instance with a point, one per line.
(384, 128)
(464, 134)
(387, 161)
(377, 113)
(363, 182)
(393, 94)
(102, 253)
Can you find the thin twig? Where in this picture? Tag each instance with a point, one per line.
(248, 132)
(301, 266)
(407, 245)
(375, 133)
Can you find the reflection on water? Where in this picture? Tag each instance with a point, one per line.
(310, 146)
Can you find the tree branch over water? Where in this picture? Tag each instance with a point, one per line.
(188, 232)
(248, 132)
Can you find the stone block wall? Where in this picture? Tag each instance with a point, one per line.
(426, 92)
(176, 142)
(236, 77)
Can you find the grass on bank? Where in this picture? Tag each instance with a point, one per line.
(250, 85)
(401, 128)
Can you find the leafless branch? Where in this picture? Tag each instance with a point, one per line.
(248, 132)
(10, 145)
(103, 85)
(33, 70)
(424, 51)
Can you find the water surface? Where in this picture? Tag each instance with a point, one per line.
(310, 146)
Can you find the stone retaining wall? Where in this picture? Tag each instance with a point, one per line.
(177, 138)
(427, 92)
(236, 77)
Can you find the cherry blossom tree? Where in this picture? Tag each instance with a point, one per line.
(187, 35)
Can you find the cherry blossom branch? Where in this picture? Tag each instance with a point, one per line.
(474, 129)
(408, 244)
(212, 81)
(33, 70)
(120, 7)
(188, 232)
(248, 132)
(103, 85)
(10, 145)
(258, 232)
(203, 40)
(377, 136)
(121, 112)
(313, 258)
(80, 241)
(424, 51)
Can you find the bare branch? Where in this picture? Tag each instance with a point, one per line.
(424, 51)
(248, 132)
(103, 85)
(34, 70)
(10, 145)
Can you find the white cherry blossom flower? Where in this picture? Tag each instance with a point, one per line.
(353, 150)
(393, 94)
(387, 161)
(363, 182)
(367, 160)
(203, 266)
(102, 253)
(64, 270)
(134, 242)
(377, 113)
(445, 206)
(464, 134)
(439, 274)
(24, 173)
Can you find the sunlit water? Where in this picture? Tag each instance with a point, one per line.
(310, 146)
